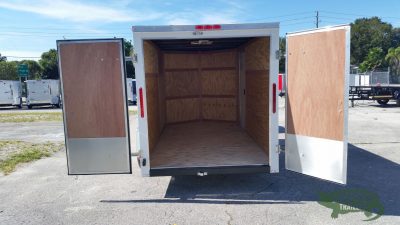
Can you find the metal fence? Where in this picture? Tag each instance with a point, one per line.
(379, 78)
(369, 79)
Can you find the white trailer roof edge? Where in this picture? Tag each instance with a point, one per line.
(320, 29)
(175, 28)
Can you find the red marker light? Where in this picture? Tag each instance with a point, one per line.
(141, 103)
(216, 27)
(208, 27)
(274, 98)
(199, 27)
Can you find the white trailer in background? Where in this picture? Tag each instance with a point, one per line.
(43, 92)
(10, 93)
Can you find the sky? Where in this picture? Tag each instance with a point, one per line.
(30, 27)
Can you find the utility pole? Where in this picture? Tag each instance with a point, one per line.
(317, 19)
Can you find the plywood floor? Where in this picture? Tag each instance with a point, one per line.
(205, 144)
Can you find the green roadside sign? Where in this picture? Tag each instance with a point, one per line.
(23, 70)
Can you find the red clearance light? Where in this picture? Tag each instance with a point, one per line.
(208, 27)
(273, 98)
(199, 27)
(141, 103)
(216, 27)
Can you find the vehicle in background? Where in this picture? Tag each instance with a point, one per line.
(134, 91)
(10, 93)
(43, 92)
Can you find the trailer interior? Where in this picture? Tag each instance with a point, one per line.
(207, 102)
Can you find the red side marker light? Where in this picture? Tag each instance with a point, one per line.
(274, 98)
(141, 102)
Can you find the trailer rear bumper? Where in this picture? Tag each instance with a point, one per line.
(203, 171)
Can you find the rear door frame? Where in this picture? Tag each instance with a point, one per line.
(142, 33)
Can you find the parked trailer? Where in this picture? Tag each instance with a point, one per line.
(43, 92)
(382, 94)
(131, 90)
(207, 101)
(10, 93)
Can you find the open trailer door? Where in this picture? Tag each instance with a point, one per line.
(316, 110)
(95, 109)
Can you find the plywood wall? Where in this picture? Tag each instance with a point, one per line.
(155, 93)
(207, 82)
(316, 62)
(256, 55)
(93, 92)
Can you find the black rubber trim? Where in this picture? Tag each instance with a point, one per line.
(209, 170)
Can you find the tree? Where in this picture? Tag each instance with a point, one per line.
(130, 69)
(2, 58)
(367, 33)
(374, 59)
(282, 58)
(396, 37)
(393, 58)
(8, 70)
(49, 64)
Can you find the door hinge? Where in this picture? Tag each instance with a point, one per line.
(280, 148)
(278, 54)
(135, 58)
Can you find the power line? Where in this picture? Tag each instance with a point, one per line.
(350, 14)
(22, 57)
(281, 16)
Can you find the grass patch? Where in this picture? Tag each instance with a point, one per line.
(20, 117)
(14, 153)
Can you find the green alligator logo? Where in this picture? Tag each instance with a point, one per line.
(352, 200)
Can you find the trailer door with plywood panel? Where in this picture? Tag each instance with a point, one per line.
(316, 107)
(95, 106)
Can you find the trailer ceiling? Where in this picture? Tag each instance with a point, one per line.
(204, 44)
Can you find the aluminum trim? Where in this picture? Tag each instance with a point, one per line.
(273, 117)
(175, 28)
(93, 155)
(318, 157)
(316, 30)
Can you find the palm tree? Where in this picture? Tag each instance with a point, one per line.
(393, 57)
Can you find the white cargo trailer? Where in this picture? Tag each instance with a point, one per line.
(207, 101)
(131, 90)
(10, 93)
(43, 92)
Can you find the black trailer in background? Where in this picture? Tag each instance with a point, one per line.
(382, 94)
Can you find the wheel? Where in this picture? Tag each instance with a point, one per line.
(29, 107)
(383, 101)
(398, 102)
(19, 106)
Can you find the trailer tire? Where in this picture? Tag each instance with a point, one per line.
(382, 101)
(29, 107)
(398, 102)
